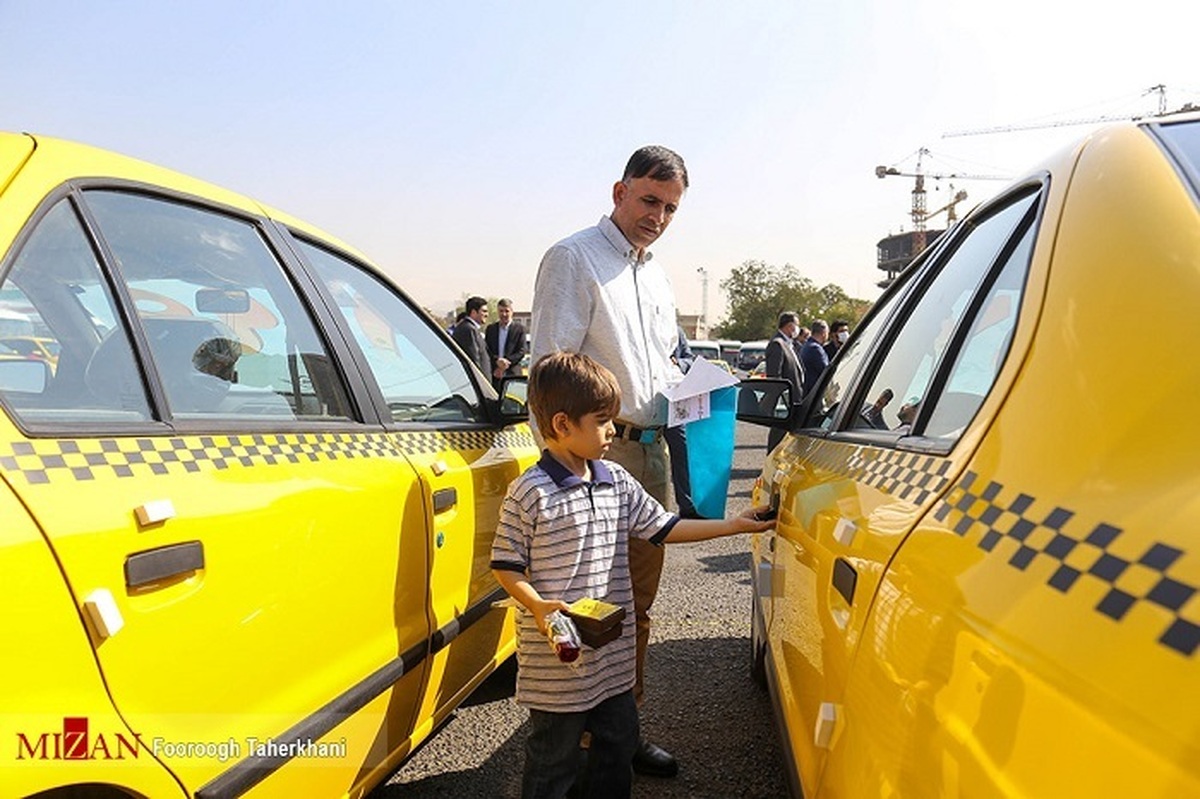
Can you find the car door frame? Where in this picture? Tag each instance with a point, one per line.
(918, 469)
(478, 624)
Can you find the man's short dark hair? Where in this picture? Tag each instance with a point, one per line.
(818, 327)
(570, 383)
(839, 324)
(475, 303)
(786, 318)
(657, 163)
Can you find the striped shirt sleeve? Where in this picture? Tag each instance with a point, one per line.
(510, 547)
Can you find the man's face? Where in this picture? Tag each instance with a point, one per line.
(480, 314)
(505, 313)
(643, 207)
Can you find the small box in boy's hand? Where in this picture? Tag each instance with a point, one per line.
(598, 622)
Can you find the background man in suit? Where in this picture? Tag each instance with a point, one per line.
(505, 341)
(676, 437)
(783, 361)
(812, 354)
(468, 334)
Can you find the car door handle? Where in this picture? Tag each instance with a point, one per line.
(444, 499)
(156, 565)
(845, 579)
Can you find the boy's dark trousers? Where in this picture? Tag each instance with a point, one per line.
(554, 761)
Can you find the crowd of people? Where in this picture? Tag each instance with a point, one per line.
(800, 355)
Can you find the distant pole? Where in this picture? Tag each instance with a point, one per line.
(703, 299)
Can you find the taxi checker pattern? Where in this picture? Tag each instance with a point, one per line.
(53, 460)
(904, 475)
(1082, 554)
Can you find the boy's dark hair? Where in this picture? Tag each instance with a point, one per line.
(570, 383)
(657, 163)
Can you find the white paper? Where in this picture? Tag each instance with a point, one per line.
(688, 409)
(688, 400)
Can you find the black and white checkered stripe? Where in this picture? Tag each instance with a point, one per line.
(992, 513)
(43, 461)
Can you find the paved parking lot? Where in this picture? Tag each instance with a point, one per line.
(701, 704)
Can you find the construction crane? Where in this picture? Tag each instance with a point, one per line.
(1159, 89)
(920, 215)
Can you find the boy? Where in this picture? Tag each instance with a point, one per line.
(563, 535)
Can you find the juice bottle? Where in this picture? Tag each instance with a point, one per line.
(563, 636)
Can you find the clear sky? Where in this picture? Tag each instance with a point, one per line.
(454, 142)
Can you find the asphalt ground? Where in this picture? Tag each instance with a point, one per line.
(700, 702)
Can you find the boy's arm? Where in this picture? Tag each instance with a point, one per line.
(520, 589)
(704, 529)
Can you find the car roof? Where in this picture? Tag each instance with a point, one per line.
(67, 160)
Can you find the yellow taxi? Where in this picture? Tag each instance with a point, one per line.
(245, 521)
(984, 579)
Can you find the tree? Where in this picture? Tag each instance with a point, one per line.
(758, 292)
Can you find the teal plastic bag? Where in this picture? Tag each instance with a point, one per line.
(710, 453)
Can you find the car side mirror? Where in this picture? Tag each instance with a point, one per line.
(24, 376)
(514, 399)
(765, 401)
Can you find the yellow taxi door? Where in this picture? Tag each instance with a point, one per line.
(434, 405)
(243, 546)
(869, 464)
(464, 485)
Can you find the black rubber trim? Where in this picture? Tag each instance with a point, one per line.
(154, 565)
(447, 633)
(249, 772)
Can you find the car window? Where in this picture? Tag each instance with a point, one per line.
(1185, 138)
(894, 398)
(835, 386)
(982, 354)
(229, 335)
(418, 373)
(56, 309)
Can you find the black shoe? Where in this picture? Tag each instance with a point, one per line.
(654, 761)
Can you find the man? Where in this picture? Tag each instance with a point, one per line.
(600, 293)
(812, 354)
(839, 331)
(505, 341)
(468, 334)
(873, 413)
(681, 480)
(783, 361)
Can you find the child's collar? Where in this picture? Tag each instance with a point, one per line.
(564, 477)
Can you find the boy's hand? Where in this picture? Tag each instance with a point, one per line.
(754, 520)
(542, 608)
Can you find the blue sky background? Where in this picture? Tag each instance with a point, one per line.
(453, 143)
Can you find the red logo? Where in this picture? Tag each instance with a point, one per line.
(76, 743)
